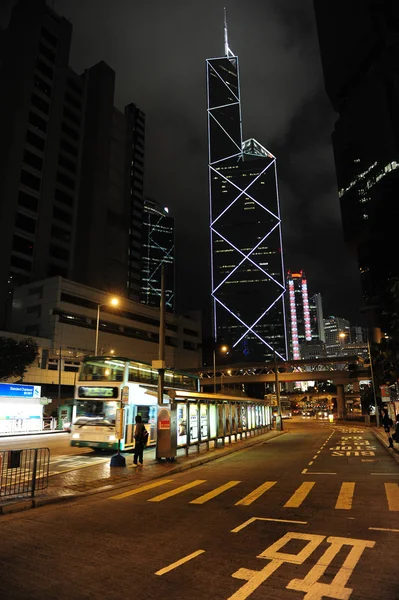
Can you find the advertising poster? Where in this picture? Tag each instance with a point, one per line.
(234, 418)
(213, 420)
(204, 421)
(220, 420)
(181, 424)
(193, 422)
(228, 419)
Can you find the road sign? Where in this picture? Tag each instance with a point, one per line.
(125, 394)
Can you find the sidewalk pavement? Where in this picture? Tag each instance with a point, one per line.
(382, 438)
(102, 477)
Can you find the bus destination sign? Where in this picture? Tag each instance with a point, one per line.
(97, 392)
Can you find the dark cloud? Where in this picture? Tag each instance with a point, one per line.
(158, 50)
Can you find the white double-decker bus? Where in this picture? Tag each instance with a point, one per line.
(98, 395)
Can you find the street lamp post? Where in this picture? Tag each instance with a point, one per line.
(377, 415)
(223, 349)
(112, 302)
(277, 385)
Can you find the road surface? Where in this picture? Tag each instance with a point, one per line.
(309, 515)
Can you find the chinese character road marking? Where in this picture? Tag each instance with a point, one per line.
(336, 589)
(310, 584)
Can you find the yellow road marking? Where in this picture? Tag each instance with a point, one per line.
(176, 491)
(299, 496)
(142, 488)
(253, 519)
(214, 493)
(256, 493)
(384, 529)
(179, 562)
(345, 498)
(392, 492)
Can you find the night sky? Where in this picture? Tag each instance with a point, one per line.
(158, 49)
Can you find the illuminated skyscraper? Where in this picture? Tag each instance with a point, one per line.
(300, 325)
(158, 235)
(246, 246)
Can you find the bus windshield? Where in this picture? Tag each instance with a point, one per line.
(96, 409)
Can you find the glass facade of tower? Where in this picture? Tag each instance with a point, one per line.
(158, 235)
(246, 250)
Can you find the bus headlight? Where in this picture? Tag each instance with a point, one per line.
(111, 438)
(76, 436)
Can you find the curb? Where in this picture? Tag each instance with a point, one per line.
(26, 504)
(392, 451)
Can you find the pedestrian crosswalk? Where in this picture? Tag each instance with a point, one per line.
(303, 495)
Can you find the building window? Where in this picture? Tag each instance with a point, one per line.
(74, 86)
(34, 310)
(68, 114)
(36, 290)
(22, 245)
(47, 53)
(28, 201)
(32, 330)
(30, 180)
(71, 100)
(59, 253)
(60, 234)
(37, 122)
(42, 86)
(63, 197)
(55, 270)
(49, 37)
(69, 148)
(69, 131)
(40, 104)
(65, 180)
(61, 215)
(66, 163)
(35, 140)
(25, 223)
(44, 69)
(32, 160)
(19, 263)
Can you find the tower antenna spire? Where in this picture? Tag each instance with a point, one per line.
(227, 50)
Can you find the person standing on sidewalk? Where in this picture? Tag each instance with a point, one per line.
(387, 423)
(139, 430)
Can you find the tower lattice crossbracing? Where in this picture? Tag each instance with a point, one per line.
(247, 270)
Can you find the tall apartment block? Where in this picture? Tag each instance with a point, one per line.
(70, 197)
(359, 44)
(247, 272)
(158, 251)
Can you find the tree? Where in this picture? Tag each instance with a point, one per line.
(16, 356)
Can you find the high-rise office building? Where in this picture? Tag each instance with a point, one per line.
(67, 181)
(247, 270)
(316, 317)
(136, 120)
(359, 43)
(158, 251)
(337, 332)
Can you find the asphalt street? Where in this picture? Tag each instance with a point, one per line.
(309, 515)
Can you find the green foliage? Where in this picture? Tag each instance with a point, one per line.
(16, 356)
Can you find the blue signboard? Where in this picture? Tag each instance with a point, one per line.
(16, 390)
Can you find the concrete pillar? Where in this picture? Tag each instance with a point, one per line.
(341, 408)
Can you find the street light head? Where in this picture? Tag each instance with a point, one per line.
(114, 301)
(224, 348)
(342, 335)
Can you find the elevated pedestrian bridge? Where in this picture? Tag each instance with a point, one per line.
(340, 370)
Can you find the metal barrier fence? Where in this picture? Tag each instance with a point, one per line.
(23, 471)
